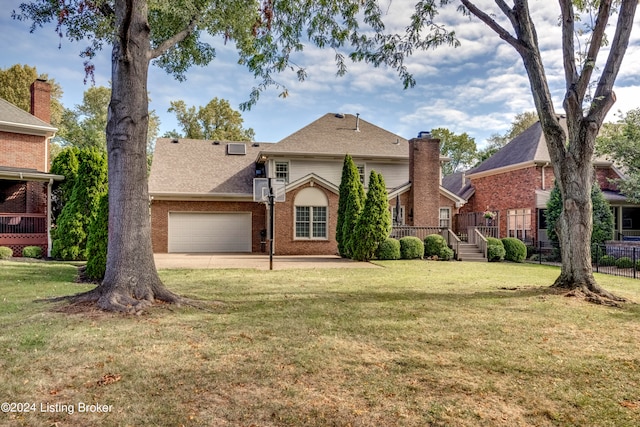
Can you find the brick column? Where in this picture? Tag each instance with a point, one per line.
(424, 174)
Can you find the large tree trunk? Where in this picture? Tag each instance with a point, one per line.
(131, 281)
(571, 151)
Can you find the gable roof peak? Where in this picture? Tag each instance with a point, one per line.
(340, 134)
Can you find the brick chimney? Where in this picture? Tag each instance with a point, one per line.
(424, 174)
(41, 100)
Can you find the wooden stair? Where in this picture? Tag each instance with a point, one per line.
(470, 252)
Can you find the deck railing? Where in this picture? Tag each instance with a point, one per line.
(401, 231)
(23, 223)
(479, 240)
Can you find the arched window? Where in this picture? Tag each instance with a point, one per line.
(311, 214)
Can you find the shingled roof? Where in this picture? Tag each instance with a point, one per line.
(193, 167)
(16, 120)
(340, 134)
(528, 147)
(458, 184)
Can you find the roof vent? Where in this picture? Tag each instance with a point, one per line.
(175, 141)
(236, 149)
(340, 115)
(216, 142)
(255, 144)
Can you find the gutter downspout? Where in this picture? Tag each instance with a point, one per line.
(49, 189)
(544, 186)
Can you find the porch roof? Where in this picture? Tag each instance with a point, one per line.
(24, 174)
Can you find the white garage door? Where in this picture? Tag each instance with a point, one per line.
(209, 232)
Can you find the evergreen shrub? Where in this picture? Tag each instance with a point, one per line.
(411, 247)
(515, 250)
(389, 249)
(32, 252)
(5, 252)
(495, 253)
(97, 241)
(607, 260)
(434, 244)
(624, 262)
(495, 249)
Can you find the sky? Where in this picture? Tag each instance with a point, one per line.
(477, 88)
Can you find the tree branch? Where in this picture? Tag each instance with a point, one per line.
(172, 41)
(594, 47)
(604, 97)
(568, 46)
(508, 12)
(491, 23)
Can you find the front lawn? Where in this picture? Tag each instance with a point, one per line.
(413, 343)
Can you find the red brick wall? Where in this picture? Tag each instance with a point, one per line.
(603, 175)
(286, 244)
(41, 100)
(23, 151)
(424, 174)
(510, 190)
(160, 218)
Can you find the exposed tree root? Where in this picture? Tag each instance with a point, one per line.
(595, 295)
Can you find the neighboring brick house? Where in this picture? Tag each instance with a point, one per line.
(516, 182)
(25, 184)
(203, 197)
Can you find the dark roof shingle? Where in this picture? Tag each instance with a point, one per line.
(193, 166)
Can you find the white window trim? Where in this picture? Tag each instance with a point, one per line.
(440, 219)
(275, 169)
(519, 233)
(310, 237)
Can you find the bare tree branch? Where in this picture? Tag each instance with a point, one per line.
(604, 97)
(594, 47)
(568, 45)
(491, 23)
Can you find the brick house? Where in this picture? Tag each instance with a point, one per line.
(25, 184)
(203, 196)
(515, 184)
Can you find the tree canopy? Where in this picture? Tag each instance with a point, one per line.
(215, 121)
(460, 149)
(15, 84)
(266, 34)
(621, 142)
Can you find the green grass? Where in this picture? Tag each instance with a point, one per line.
(413, 343)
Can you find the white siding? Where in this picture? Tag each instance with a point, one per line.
(209, 232)
(394, 174)
(329, 170)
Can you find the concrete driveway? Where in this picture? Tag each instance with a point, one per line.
(259, 262)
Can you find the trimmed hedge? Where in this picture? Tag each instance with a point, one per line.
(411, 247)
(446, 254)
(515, 250)
(607, 260)
(5, 252)
(624, 262)
(492, 241)
(495, 253)
(495, 249)
(389, 249)
(435, 245)
(32, 252)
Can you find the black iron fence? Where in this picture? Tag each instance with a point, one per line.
(615, 258)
